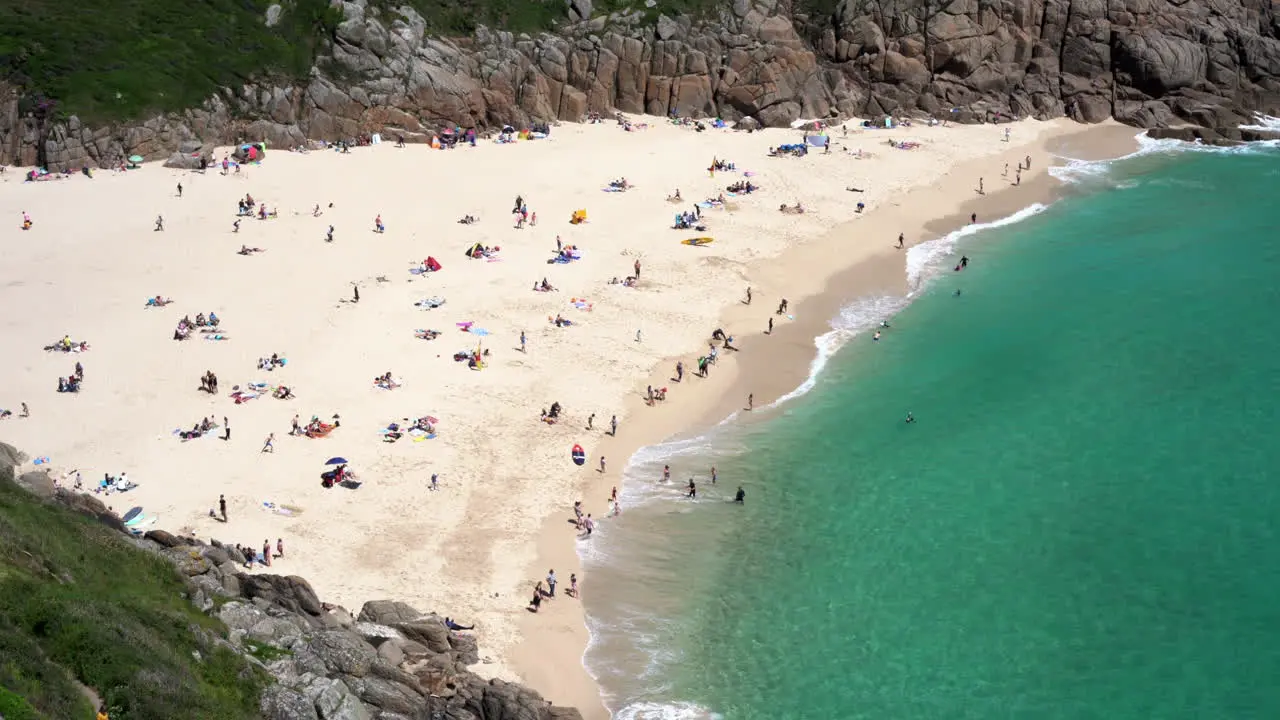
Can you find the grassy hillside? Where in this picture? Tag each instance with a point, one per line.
(78, 604)
(118, 59)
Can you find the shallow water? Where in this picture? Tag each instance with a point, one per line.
(1078, 524)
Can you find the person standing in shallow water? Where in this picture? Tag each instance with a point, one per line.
(693, 490)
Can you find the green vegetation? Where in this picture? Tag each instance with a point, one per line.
(112, 60)
(77, 603)
(119, 59)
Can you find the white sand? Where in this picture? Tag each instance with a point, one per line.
(92, 259)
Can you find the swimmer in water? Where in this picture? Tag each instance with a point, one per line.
(957, 293)
(884, 323)
(876, 336)
(910, 418)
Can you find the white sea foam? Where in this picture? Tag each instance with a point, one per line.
(665, 711)
(1081, 171)
(1264, 123)
(853, 319)
(926, 260)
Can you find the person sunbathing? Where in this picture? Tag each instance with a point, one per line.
(468, 220)
(246, 250)
(158, 301)
(283, 393)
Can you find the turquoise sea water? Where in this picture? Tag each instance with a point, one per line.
(1081, 523)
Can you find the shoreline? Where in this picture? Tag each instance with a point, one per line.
(551, 656)
(466, 550)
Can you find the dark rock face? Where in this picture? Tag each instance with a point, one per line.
(1144, 62)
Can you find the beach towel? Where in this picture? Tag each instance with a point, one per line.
(431, 302)
(613, 189)
(216, 336)
(285, 510)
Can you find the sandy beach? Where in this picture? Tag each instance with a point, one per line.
(473, 548)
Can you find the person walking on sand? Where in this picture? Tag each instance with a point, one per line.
(378, 227)
(748, 294)
(679, 370)
(1005, 173)
(901, 239)
(227, 427)
(329, 236)
(613, 425)
(179, 189)
(551, 582)
(591, 420)
(266, 552)
(270, 445)
(782, 307)
(601, 464)
(435, 481)
(522, 342)
(235, 226)
(222, 507)
(573, 585)
(279, 547)
(637, 336)
(159, 223)
(355, 293)
(770, 330)
(296, 428)
(980, 190)
(1017, 178)
(26, 412)
(751, 401)
(637, 266)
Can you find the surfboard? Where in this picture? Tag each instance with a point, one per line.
(132, 515)
(698, 242)
(579, 455)
(140, 527)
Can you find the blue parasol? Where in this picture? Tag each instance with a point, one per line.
(336, 461)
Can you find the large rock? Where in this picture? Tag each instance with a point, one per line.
(343, 652)
(428, 631)
(291, 593)
(388, 612)
(283, 703)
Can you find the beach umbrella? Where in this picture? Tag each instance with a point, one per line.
(135, 158)
(336, 461)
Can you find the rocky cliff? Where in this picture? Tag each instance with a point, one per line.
(1149, 63)
(317, 661)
